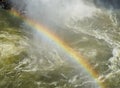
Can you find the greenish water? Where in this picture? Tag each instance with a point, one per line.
(25, 65)
(27, 62)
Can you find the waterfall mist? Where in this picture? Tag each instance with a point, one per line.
(90, 27)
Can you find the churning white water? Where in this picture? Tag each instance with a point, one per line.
(29, 60)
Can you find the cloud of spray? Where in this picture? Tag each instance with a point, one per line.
(51, 12)
(19, 4)
(54, 11)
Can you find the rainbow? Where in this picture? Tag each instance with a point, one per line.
(50, 35)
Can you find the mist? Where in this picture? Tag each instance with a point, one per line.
(55, 12)
(90, 27)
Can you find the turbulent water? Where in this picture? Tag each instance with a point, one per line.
(29, 60)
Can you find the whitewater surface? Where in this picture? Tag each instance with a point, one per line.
(29, 60)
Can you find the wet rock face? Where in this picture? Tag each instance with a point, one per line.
(115, 4)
